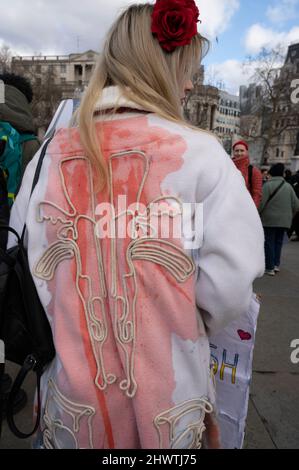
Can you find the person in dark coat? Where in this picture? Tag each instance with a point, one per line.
(288, 176)
(4, 209)
(17, 112)
(277, 209)
(295, 224)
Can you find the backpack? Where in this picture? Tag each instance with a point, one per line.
(11, 158)
(24, 327)
(250, 172)
(4, 209)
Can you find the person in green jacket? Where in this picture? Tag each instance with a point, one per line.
(277, 209)
(16, 110)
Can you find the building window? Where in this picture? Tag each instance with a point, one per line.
(63, 79)
(277, 153)
(38, 68)
(63, 68)
(78, 70)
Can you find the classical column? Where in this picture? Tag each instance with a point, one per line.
(83, 74)
(209, 117)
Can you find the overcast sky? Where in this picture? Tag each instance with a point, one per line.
(242, 27)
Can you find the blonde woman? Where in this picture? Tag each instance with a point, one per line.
(131, 303)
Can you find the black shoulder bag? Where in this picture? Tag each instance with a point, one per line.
(24, 326)
(272, 196)
(250, 172)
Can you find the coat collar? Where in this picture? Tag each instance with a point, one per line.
(112, 97)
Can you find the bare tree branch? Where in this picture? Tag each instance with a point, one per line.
(5, 58)
(268, 121)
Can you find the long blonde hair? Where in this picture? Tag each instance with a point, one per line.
(133, 60)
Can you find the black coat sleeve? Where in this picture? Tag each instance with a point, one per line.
(4, 210)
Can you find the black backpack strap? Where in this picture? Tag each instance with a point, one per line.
(29, 364)
(3, 254)
(250, 172)
(272, 195)
(12, 230)
(2, 395)
(36, 175)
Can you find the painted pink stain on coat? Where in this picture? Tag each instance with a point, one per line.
(163, 306)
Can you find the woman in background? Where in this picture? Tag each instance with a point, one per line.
(278, 207)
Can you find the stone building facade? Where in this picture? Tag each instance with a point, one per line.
(284, 123)
(53, 79)
(201, 105)
(227, 119)
(283, 147)
(70, 72)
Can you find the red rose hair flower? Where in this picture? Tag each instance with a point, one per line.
(174, 22)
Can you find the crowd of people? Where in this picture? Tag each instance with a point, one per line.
(275, 193)
(121, 334)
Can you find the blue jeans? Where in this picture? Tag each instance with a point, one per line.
(273, 245)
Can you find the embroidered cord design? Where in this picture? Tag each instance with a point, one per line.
(70, 227)
(54, 425)
(169, 256)
(185, 423)
(156, 250)
(115, 156)
(67, 248)
(57, 252)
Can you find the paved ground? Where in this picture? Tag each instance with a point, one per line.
(273, 417)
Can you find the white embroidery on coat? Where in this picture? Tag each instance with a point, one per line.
(53, 425)
(155, 250)
(67, 248)
(171, 257)
(185, 423)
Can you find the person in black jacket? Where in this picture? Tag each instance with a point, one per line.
(16, 110)
(295, 225)
(4, 209)
(5, 379)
